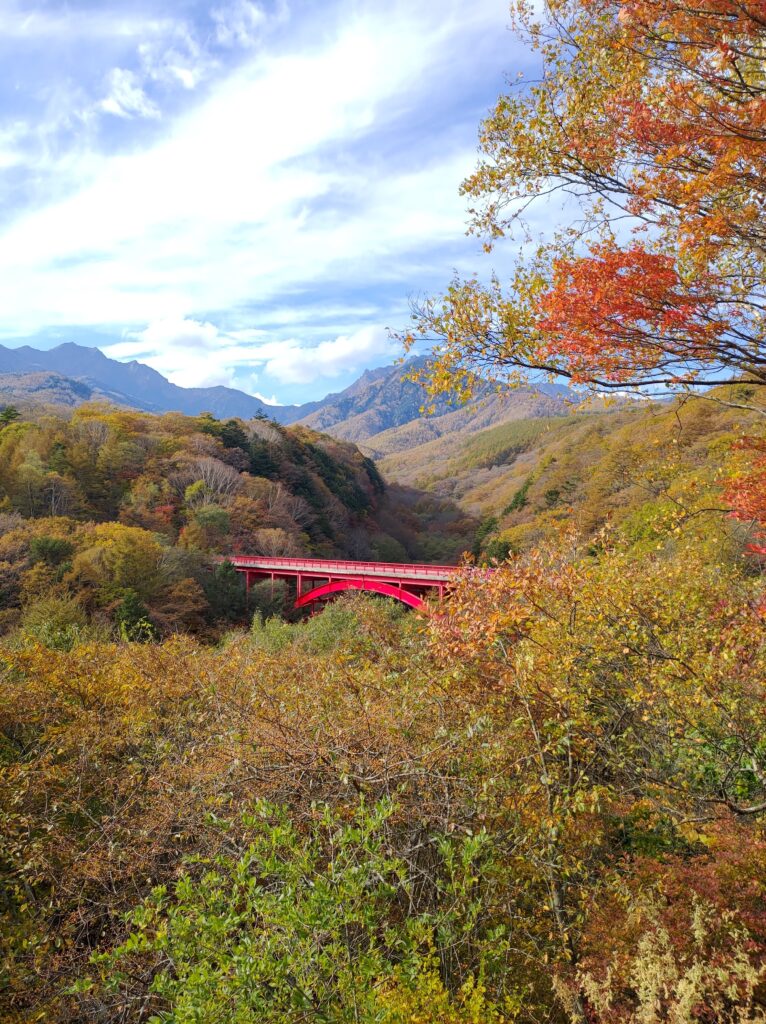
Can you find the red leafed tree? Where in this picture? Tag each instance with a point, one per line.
(626, 314)
(747, 494)
(650, 117)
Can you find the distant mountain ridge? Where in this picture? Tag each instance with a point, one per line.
(380, 399)
(136, 384)
(54, 389)
(381, 411)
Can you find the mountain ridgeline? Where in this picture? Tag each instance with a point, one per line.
(30, 374)
(380, 400)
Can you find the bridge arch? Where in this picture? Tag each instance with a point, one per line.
(372, 585)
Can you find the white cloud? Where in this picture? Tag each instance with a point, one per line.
(262, 190)
(265, 400)
(177, 332)
(175, 59)
(195, 354)
(187, 352)
(293, 363)
(17, 21)
(126, 98)
(11, 139)
(241, 22)
(220, 212)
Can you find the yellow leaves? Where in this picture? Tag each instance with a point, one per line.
(426, 1000)
(658, 116)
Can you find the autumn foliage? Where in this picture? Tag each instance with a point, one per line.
(626, 312)
(529, 809)
(545, 802)
(650, 118)
(747, 491)
(104, 506)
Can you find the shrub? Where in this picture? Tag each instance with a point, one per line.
(710, 976)
(131, 616)
(308, 927)
(55, 622)
(51, 550)
(268, 599)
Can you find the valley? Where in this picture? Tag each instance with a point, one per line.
(437, 699)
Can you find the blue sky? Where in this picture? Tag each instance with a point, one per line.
(239, 192)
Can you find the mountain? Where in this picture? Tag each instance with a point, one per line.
(53, 389)
(379, 399)
(134, 384)
(382, 410)
(603, 464)
(429, 435)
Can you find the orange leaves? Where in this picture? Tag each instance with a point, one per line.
(621, 313)
(650, 117)
(695, 120)
(747, 492)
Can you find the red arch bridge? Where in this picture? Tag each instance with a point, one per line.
(318, 580)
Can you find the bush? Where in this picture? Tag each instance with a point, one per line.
(710, 976)
(225, 592)
(50, 550)
(308, 927)
(131, 617)
(272, 634)
(269, 599)
(336, 625)
(56, 622)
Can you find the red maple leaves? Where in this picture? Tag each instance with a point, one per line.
(619, 313)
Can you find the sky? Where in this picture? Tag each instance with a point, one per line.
(239, 192)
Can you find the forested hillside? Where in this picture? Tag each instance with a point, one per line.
(115, 519)
(629, 467)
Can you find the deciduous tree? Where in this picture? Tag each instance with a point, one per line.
(649, 121)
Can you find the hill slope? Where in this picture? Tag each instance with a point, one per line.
(166, 495)
(420, 436)
(586, 469)
(35, 389)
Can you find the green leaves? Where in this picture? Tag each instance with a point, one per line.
(305, 926)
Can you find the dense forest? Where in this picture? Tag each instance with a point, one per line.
(547, 795)
(119, 522)
(543, 803)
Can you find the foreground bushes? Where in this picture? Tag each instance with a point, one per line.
(500, 816)
(330, 924)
